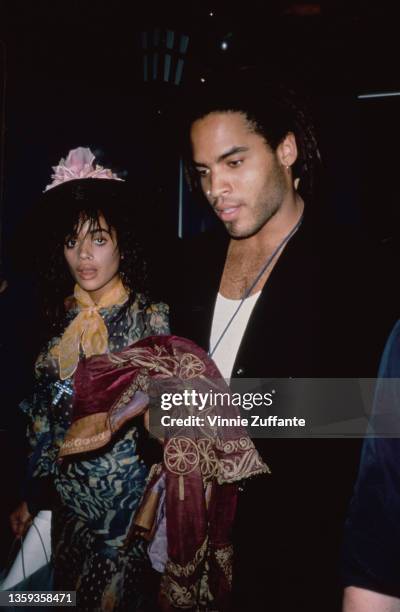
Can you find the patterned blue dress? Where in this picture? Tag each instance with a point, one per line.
(96, 494)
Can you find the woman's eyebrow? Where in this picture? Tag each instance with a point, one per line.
(99, 229)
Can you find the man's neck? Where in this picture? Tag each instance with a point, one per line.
(246, 257)
(275, 230)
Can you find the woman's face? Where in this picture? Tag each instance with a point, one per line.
(93, 257)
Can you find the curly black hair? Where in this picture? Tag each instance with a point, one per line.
(271, 109)
(59, 215)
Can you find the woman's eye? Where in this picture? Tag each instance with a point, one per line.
(70, 243)
(99, 240)
(202, 172)
(235, 163)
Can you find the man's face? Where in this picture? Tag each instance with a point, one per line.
(240, 174)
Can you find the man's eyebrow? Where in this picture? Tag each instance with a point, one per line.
(232, 151)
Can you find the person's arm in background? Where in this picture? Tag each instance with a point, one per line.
(371, 569)
(362, 600)
(36, 486)
(20, 519)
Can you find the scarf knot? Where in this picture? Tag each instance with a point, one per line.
(87, 333)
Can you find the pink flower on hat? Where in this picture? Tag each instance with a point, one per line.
(79, 164)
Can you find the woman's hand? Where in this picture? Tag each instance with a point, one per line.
(20, 519)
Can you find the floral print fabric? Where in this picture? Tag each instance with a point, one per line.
(97, 494)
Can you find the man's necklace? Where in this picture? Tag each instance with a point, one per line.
(248, 291)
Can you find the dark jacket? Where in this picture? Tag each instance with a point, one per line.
(308, 322)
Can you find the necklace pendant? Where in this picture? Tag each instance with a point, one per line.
(63, 388)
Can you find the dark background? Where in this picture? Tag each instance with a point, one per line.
(72, 74)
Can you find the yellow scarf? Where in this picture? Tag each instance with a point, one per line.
(87, 330)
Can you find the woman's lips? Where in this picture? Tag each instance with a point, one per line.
(87, 273)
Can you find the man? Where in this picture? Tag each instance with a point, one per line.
(371, 566)
(270, 295)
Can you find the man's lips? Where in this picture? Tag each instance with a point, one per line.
(227, 212)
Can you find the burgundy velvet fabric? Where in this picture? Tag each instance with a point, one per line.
(201, 465)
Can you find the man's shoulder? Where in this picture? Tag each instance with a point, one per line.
(333, 235)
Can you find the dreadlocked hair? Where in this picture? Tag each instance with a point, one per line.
(271, 110)
(60, 214)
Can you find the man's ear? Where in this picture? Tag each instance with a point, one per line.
(287, 150)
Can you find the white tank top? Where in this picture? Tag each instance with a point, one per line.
(227, 349)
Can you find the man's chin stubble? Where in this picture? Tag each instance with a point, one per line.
(249, 233)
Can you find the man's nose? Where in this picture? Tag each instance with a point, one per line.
(219, 186)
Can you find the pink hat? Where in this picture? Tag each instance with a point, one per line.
(78, 165)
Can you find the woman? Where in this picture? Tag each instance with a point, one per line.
(90, 242)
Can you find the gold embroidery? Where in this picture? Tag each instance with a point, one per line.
(209, 465)
(185, 366)
(205, 596)
(188, 569)
(232, 446)
(89, 433)
(83, 444)
(181, 456)
(247, 463)
(141, 383)
(159, 361)
(224, 557)
(198, 593)
(190, 366)
(177, 595)
(242, 466)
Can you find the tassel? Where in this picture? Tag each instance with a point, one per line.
(181, 488)
(207, 494)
